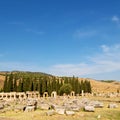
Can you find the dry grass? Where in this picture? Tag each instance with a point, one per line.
(2, 78)
(103, 113)
(103, 87)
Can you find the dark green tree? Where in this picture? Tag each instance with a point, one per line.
(77, 86)
(49, 88)
(32, 86)
(10, 83)
(89, 89)
(20, 86)
(5, 87)
(15, 85)
(66, 88)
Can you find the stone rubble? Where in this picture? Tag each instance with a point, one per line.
(112, 105)
(52, 105)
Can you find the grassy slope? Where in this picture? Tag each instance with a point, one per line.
(98, 86)
(2, 78)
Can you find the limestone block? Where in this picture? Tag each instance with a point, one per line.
(69, 112)
(89, 108)
(112, 105)
(60, 111)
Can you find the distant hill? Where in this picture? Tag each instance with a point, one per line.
(97, 86)
(103, 85)
(24, 73)
(20, 74)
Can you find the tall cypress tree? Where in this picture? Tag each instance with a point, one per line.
(32, 86)
(49, 87)
(5, 87)
(89, 87)
(40, 86)
(77, 89)
(10, 83)
(85, 86)
(57, 85)
(15, 85)
(20, 86)
(28, 83)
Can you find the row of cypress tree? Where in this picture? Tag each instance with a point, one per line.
(45, 83)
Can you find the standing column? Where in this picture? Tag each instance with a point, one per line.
(82, 93)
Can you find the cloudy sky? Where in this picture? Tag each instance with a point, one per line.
(61, 37)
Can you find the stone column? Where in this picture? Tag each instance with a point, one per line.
(82, 93)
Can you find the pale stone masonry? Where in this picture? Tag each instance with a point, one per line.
(36, 95)
(18, 95)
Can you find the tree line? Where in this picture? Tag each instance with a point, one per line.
(18, 82)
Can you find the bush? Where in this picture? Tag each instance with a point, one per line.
(66, 88)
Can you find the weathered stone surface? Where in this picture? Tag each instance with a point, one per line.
(89, 108)
(1, 106)
(69, 112)
(60, 105)
(72, 108)
(84, 101)
(112, 105)
(76, 108)
(30, 108)
(96, 104)
(54, 106)
(44, 106)
(60, 111)
(31, 102)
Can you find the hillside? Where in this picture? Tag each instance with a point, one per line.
(105, 87)
(97, 86)
(20, 74)
(2, 78)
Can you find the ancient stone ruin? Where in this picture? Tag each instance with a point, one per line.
(67, 104)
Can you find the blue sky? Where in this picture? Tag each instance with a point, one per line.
(61, 37)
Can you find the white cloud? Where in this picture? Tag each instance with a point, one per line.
(105, 48)
(107, 61)
(115, 19)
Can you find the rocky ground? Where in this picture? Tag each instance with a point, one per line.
(63, 107)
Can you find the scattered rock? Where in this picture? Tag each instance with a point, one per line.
(96, 104)
(44, 106)
(30, 108)
(112, 105)
(60, 111)
(99, 116)
(89, 108)
(1, 106)
(69, 112)
(31, 102)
